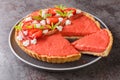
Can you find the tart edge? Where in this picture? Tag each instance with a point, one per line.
(50, 59)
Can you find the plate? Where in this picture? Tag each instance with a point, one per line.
(84, 61)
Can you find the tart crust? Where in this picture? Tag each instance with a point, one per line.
(50, 59)
(69, 58)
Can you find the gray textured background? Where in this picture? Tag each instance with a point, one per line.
(12, 68)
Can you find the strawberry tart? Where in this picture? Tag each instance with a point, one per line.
(42, 35)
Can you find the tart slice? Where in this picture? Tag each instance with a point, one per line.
(53, 49)
(81, 25)
(98, 44)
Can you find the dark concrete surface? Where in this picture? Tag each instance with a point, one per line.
(11, 68)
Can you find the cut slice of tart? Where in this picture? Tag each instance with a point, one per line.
(98, 44)
(81, 25)
(53, 49)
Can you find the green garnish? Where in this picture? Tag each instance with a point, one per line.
(53, 26)
(40, 27)
(62, 7)
(19, 26)
(37, 17)
(40, 12)
(29, 27)
(40, 16)
(64, 14)
(46, 15)
(48, 26)
(35, 26)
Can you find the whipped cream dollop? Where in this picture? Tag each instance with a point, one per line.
(33, 41)
(26, 43)
(59, 28)
(45, 31)
(67, 22)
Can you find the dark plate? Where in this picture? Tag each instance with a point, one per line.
(84, 61)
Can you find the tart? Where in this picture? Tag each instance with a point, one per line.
(97, 44)
(42, 35)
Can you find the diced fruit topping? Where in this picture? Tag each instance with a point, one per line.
(53, 11)
(37, 34)
(36, 15)
(27, 25)
(31, 31)
(53, 20)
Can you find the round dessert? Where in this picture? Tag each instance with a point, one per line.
(42, 34)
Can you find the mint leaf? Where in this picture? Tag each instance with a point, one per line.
(57, 24)
(40, 12)
(59, 12)
(29, 27)
(18, 27)
(41, 27)
(70, 12)
(62, 7)
(64, 14)
(46, 15)
(49, 26)
(53, 26)
(37, 17)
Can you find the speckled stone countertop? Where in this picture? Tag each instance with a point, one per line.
(11, 68)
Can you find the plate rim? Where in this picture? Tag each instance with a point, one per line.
(47, 68)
